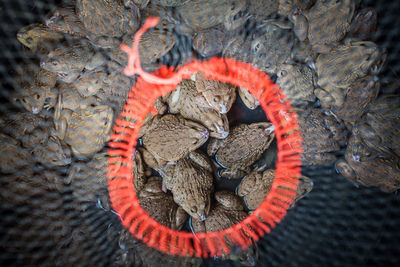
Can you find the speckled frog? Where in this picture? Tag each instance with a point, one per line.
(325, 23)
(191, 183)
(342, 66)
(203, 14)
(86, 131)
(219, 95)
(243, 146)
(227, 211)
(192, 105)
(169, 138)
(255, 187)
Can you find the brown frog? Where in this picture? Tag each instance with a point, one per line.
(86, 131)
(259, 10)
(192, 105)
(112, 20)
(255, 187)
(286, 6)
(209, 42)
(324, 24)
(343, 65)
(169, 138)
(379, 127)
(243, 146)
(69, 61)
(358, 96)
(39, 38)
(239, 47)
(34, 88)
(273, 47)
(201, 14)
(191, 183)
(228, 211)
(248, 99)
(364, 24)
(13, 157)
(219, 95)
(52, 152)
(153, 199)
(379, 171)
(297, 83)
(321, 135)
(88, 182)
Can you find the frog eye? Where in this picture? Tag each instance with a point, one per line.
(283, 73)
(24, 100)
(215, 99)
(37, 96)
(106, 121)
(193, 209)
(54, 63)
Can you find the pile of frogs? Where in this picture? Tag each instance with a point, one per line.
(72, 87)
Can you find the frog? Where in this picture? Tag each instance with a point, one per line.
(191, 104)
(272, 46)
(260, 10)
(168, 138)
(209, 42)
(72, 127)
(108, 13)
(364, 24)
(219, 95)
(170, 3)
(286, 6)
(255, 187)
(141, 4)
(88, 182)
(191, 183)
(227, 211)
(52, 152)
(39, 38)
(13, 156)
(321, 135)
(243, 147)
(239, 47)
(381, 171)
(343, 65)
(70, 61)
(201, 14)
(331, 16)
(358, 97)
(248, 99)
(34, 88)
(379, 127)
(160, 205)
(297, 83)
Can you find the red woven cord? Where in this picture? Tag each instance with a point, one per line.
(122, 148)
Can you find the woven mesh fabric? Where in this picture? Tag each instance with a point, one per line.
(56, 222)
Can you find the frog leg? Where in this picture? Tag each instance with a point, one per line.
(213, 146)
(197, 226)
(51, 98)
(60, 123)
(229, 22)
(229, 200)
(180, 218)
(201, 160)
(248, 183)
(326, 98)
(300, 24)
(232, 173)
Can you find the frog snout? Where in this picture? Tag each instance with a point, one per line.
(202, 216)
(35, 110)
(42, 64)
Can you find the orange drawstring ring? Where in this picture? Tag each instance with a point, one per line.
(124, 139)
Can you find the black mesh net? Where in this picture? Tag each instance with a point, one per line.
(63, 87)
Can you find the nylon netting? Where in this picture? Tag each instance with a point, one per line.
(199, 133)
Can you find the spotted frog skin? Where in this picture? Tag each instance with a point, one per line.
(227, 211)
(219, 95)
(34, 88)
(191, 183)
(169, 138)
(72, 127)
(70, 61)
(201, 14)
(191, 104)
(255, 187)
(344, 65)
(325, 16)
(243, 146)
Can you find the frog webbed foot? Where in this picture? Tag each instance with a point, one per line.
(232, 173)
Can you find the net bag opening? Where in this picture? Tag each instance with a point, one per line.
(122, 150)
